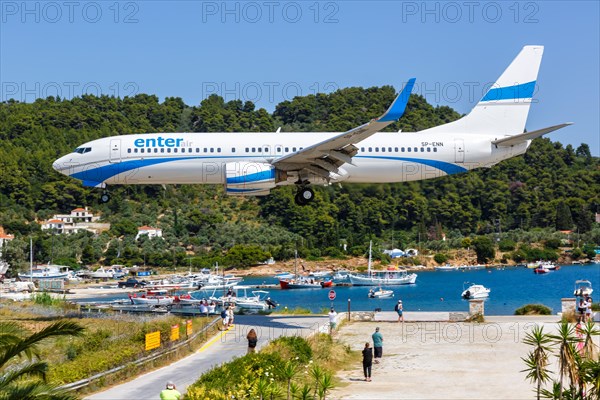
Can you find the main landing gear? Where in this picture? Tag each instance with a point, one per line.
(105, 197)
(304, 196)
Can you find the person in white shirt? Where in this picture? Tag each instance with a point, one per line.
(332, 320)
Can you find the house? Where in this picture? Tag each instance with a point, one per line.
(4, 238)
(80, 219)
(148, 230)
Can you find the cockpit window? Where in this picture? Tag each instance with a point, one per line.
(81, 150)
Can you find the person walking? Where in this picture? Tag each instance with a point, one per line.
(367, 362)
(398, 309)
(170, 393)
(377, 344)
(252, 341)
(230, 314)
(332, 320)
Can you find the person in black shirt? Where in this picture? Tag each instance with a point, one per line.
(367, 361)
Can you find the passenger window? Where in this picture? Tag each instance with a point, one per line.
(293, 149)
(205, 150)
(279, 149)
(429, 149)
(287, 149)
(197, 150)
(266, 149)
(142, 150)
(409, 149)
(129, 150)
(247, 150)
(162, 149)
(402, 149)
(135, 150)
(174, 150)
(233, 149)
(212, 150)
(254, 149)
(362, 149)
(390, 149)
(370, 149)
(435, 149)
(376, 149)
(396, 149)
(416, 149)
(422, 150)
(383, 149)
(190, 150)
(218, 149)
(168, 150)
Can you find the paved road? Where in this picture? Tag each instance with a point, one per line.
(221, 348)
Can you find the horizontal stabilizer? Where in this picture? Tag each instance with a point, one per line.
(516, 139)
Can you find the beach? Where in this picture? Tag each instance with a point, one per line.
(441, 360)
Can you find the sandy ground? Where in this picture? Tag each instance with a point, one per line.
(440, 360)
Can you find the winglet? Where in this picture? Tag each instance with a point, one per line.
(397, 108)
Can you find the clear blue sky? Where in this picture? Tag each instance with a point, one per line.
(267, 51)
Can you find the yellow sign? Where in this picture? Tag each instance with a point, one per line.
(174, 332)
(152, 340)
(188, 327)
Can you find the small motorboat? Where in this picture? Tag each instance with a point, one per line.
(583, 288)
(541, 270)
(446, 267)
(475, 292)
(380, 294)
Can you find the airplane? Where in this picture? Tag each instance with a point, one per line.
(252, 164)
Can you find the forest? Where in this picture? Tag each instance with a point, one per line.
(525, 199)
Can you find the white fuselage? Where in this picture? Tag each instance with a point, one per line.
(201, 158)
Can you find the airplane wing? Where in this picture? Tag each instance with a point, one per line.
(516, 139)
(328, 155)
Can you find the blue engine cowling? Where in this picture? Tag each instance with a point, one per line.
(250, 178)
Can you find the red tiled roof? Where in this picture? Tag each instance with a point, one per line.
(53, 221)
(147, 228)
(79, 209)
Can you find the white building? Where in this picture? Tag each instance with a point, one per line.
(80, 219)
(4, 238)
(148, 230)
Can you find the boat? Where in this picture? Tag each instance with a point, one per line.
(340, 275)
(152, 297)
(380, 294)
(446, 267)
(319, 274)
(303, 282)
(284, 275)
(49, 271)
(470, 267)
(541, 270)
(475, 292)
(550, 266)
(385, 278)
(103, 273)
(583, 288)
(238, 296)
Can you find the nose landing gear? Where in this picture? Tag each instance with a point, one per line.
(105, 197)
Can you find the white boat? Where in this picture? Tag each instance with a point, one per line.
(382, 278)
(477, 266)
(475, 292)
(47, 272)
(152, 297)
(238, 296)
(284, 275)
(380, 294)
(446, 267)
(103, 273)
(583, 288)
(319, 274)
(341, 275)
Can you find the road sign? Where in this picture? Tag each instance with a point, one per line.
(332, 295)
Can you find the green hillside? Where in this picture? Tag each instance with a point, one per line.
(552, 187)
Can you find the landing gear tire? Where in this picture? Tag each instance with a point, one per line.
(105, 197)
(304, 196)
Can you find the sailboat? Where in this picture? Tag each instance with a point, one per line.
(302, 282)
(378, 278)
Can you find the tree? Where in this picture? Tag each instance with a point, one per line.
(564, 221)
(484, 248)
(20, 380)
(537, 359)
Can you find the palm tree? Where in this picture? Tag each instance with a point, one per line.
(568, 357)
(591, 376)
(590, 350)
(326, 384)
(18, 380)
(537, 360)
(288, 371)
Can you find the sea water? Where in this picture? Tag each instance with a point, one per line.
(511, 288)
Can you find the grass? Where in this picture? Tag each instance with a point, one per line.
(109, 340)
(292, 311)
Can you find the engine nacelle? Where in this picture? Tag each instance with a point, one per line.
(250, 178)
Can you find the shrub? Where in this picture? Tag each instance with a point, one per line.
(533, 309)
(440, 258)
(507, 245)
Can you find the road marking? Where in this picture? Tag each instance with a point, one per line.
(213, 340)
